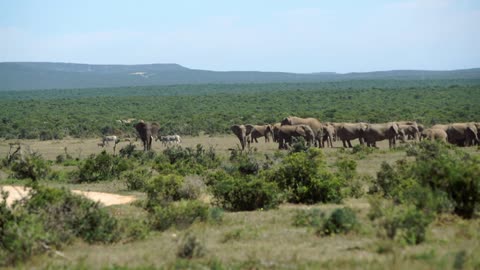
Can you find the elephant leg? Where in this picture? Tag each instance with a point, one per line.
(344, 144)
(349, 144)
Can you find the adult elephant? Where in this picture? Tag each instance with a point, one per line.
(410, 128)
(313, 123)
(260, 131)
(147, 132)
(379, 132)
(242, 132)
(287, 133)
(462, 134)
(275, 129)
(433, 134)
(327, 135)
(351, 131)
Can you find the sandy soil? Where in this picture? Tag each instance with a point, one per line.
(19, 192)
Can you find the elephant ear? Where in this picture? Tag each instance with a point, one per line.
(155, 128)
(285, 121)
(249, 129)
(140, 127)
(236, 129)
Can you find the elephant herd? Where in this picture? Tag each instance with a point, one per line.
(321, 134)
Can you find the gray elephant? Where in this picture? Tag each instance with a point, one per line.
(147, 132)
(314, 124)
(350, 131)
(242, 132)
(327, 134)
(410, 129)
(433, 134)
(260, 131)
(275, 129)
(380, 132)
(462, 134)
(287, 133)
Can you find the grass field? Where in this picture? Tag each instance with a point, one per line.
(260, 239)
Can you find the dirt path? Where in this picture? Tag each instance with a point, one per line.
(107, 199)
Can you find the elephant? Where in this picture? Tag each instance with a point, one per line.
(434, 134)
(350, 131)
(314, 124)
(147, 132)
(379, 132)
(260, 131)
(327, 135)
(287, 133)
(462, 134)
(242, 132)
(275, 129)
(410, 128)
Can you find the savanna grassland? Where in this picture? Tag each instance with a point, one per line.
(206, 204)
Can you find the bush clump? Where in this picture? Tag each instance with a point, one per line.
(50, 218)
(191, 247)
(186, 161)
(342, 220)
(101, 167)
(438, 180)
(136, 179)
(304, 178)
(180, 215)
(32, 166)
(163, 189)
(243, 192)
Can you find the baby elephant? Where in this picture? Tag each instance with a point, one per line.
(435, 134)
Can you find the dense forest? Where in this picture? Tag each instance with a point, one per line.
(212, 108)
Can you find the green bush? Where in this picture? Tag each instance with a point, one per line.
(163, 189)
(32, 166)
(342, 220)
(136, 179)
(406, 223)
(438, 180)
(186, 161)
(190, 247)
(101, 167)
(304, 178)
(244, 162)
(50, 218)
(180, 215)
(243, 193)
(310, 218)
(192, 187)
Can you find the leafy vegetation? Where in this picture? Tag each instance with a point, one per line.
(191, 109)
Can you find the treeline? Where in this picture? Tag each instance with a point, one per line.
(191, 109)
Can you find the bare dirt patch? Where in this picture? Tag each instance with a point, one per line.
(18, 192)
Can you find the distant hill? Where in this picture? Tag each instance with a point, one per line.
(45, 75)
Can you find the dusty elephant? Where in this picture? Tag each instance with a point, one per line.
(433, 134)
(410, 129)
(314, 124)
(275, 129)
(260, 131)
(350, 131)
(287, 133)
(242, 132)
(327, 135)
(147, 132)
(462, 134)
(379, 132)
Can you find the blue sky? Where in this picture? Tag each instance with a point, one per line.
(265, 35)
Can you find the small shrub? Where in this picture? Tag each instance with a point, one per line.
(32, 166)
(181, 215)
(216, 215)
(192, 188)
(342, 220)
(133, 229)
(127, 151)
(243, 193)
(310, 218)
(136, 179)
(163, 189)
(305, 178)
(101, 167)
(190, 247)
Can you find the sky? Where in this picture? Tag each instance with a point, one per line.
(266, 35)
